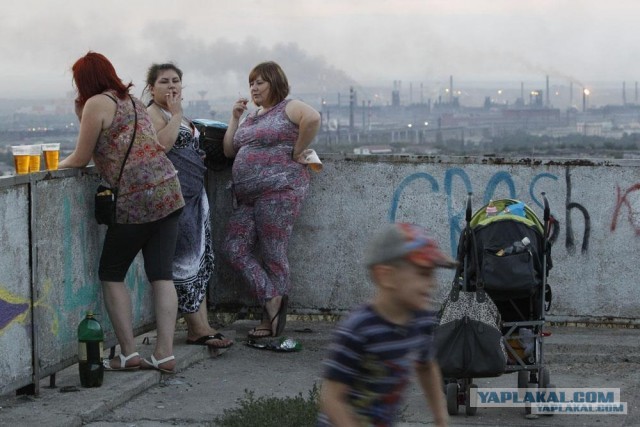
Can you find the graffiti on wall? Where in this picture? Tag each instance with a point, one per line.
(73, 290)
(623, 200)
(16, 310)
(12, 309)
(81, 289)
(570, 244)
(501, 185)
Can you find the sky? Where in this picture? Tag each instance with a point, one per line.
(324, 45)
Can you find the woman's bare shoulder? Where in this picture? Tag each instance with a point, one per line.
(297, 109)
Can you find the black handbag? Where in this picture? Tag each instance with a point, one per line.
(468, 338)
(211, 142)
(105, 208)
(106, 198)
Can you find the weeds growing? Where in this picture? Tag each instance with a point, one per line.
(272, 411)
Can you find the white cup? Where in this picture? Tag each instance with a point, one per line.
(311, 158)
(21, 158)
(51, 155)
(35, 154)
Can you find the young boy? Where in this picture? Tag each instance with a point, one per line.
(376, 347)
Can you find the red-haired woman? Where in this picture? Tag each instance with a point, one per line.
(148, 205)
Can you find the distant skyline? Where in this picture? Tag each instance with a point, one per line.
(327, 44)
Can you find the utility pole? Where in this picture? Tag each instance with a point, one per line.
(352, 107)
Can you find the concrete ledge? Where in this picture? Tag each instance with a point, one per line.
(576, 357)
(56, 408)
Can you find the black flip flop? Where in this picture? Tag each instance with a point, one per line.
(251, 333)
(203, 341)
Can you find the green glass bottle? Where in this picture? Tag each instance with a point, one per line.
(90, 342)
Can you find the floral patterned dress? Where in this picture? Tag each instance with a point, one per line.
(193, 261)
(269, 187)
(149, 188)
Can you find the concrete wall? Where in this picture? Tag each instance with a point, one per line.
(15, 287)
(596, 203)
(50, 244)
(50, 248)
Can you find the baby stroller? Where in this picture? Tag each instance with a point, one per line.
(504, 252)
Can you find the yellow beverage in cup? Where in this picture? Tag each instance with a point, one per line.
(34, 157)
(21, 162)
(51, 155)
(316, 167)
(51, 159)
(21, 157)
(34, 163)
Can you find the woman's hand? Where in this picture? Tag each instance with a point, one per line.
(174, 103)
(239, 108)
(167, 130)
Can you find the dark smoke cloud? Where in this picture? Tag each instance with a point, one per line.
(223, 62)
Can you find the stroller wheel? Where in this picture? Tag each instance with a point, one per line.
(527, 408)
(523, 385)
(549, 414)
(544, 378)
(452, 398)
(470, 405)
(523, 379)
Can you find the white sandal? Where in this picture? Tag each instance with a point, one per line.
(155, 364)
(106, 363)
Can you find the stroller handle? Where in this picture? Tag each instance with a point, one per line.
(468, 213)
(546, 207)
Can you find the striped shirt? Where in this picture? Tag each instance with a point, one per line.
(375, 358)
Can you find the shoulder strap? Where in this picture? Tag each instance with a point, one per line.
(110, 97)
(166, 116)
(133, 137)
(163, 113)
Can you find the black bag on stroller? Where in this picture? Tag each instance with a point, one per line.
(211, 137)
(468, 338)
(507, 271)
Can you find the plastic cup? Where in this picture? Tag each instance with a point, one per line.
(35, 152)
(312, 159)
(21, 157)
(51, 155)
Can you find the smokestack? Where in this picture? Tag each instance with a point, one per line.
(352, 106)
(395, 95)
(450, 90)
(624, 93)
(410, 93)
(522, 91)
(570, 94)
(547, 98)
(636, 98)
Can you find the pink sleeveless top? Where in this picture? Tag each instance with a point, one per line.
(149, 188)
(264, 163)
